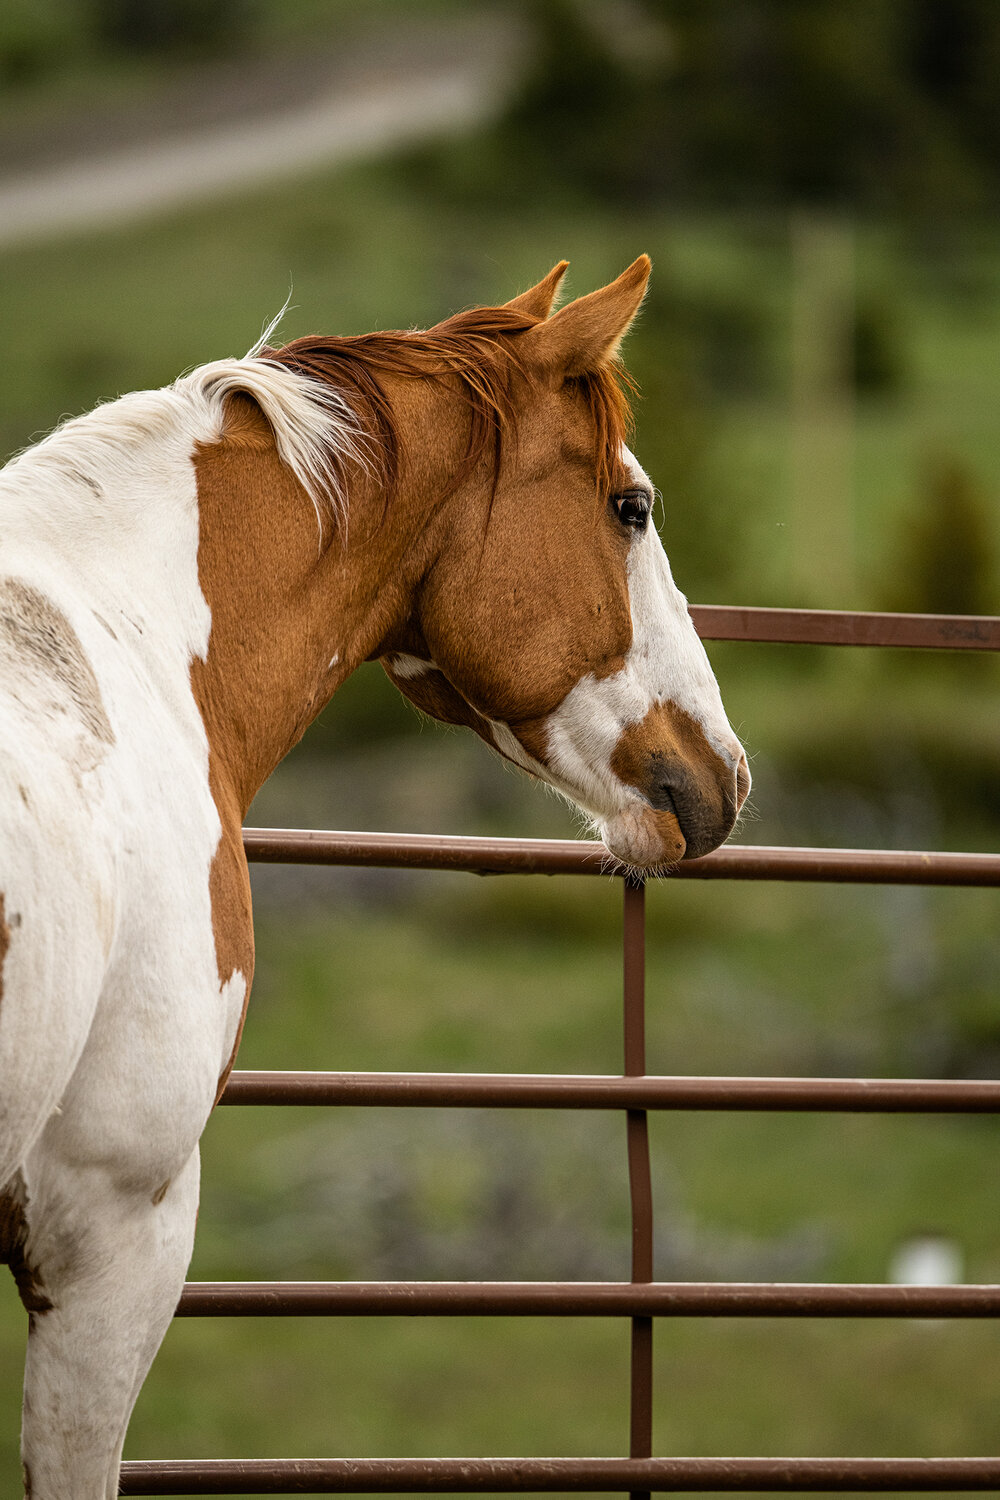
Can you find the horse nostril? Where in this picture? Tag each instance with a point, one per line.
(661, 797)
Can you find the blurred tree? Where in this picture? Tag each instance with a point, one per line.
(877, 359)
(872, 102)
(953, 49)
(191, 26)
(946, 559)
(34, 34)
(563, 122)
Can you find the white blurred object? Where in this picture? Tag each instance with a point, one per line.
(927, 1260)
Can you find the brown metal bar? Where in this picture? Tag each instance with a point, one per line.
(842, 866)
(662, 1299)
(480, 856)
(834, 627)
(600, 1091)
(425, 851)
(639, 1178)
(333, 1476)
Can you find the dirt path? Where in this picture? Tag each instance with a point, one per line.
(385, 92)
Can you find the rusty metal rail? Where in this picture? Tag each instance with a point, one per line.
(613, 1091)
(641, 1300)
(442, 1476)
(479, 856)
(835, 627)
(584, 1299)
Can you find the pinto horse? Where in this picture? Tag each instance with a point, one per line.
(188, 575)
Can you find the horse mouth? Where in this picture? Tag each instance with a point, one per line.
(666, 828)
(642, 836)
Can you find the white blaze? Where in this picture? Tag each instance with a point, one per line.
(666, 661)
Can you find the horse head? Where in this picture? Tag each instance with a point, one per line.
(548, 620)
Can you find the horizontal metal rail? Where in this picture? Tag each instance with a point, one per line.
(613, 1091)
(836, 627)
(337, 1476)
(483, 856)
(583, 1299)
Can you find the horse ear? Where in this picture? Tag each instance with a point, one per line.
(537, 300)
(585, 334)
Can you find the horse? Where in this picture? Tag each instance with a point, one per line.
(188, 576)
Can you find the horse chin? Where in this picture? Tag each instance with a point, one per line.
(642, 837)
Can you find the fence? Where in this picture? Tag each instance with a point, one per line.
(641, 1299)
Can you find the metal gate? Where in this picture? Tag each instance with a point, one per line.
(641, 1299)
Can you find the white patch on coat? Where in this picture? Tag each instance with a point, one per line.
(114, 1027)
(408, 667)
(511, 747)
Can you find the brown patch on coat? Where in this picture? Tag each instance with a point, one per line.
(667, 757)
(14, 1235)
(501, 562)
(257, 566)
(491, 461)
(161, 1193)
(533, 736)
(39, 638)
(253, 518)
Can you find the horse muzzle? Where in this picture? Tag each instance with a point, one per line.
(683, 797)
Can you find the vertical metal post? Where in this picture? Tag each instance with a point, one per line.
(640, 1185)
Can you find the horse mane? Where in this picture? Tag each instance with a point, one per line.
(477, 351)
(329, 412)
(315, 431)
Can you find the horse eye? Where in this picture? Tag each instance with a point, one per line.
(632, 508)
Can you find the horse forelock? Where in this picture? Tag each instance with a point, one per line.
(606, 391)
(478, 352)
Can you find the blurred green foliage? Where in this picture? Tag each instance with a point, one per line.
(876, 104)
(44, 42)
(164, 26)
(948, 557)
(879, 105)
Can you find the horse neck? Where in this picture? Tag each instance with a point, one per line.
(291, 617)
